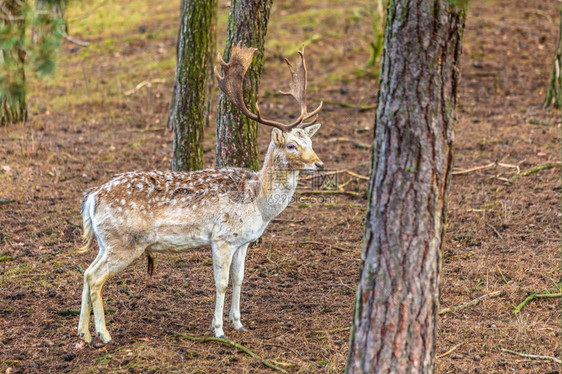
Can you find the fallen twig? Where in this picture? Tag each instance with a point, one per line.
(7, 201)
(362, 108)
(75, 312)
(357, 175)
(495, 230)
(535, 357)
(322, 244)
(282, 346)
(527, 172)
(75, 41)
(501, 273)
(450, 350)
(356, 143)
(470, 303)
(544, 295)
(466, 171)
(226, 342)
(147, 83)
(329, 192)
(73, 224)
(279, 220)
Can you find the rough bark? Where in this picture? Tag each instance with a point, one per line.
(236, 134)
(394, 325)
(13, 107)
(555, 85)
(189, 110)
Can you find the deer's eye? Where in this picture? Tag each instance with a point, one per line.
(292, 146)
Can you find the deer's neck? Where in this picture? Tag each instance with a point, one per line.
(277, 183)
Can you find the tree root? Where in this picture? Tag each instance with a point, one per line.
(226, 342)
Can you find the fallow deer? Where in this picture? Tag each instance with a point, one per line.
(226, 208)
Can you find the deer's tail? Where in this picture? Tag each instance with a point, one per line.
(88, 208)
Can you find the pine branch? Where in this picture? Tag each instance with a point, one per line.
(226, 342)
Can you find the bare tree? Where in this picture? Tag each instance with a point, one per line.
(13, 106)
(189, 110)
(554, 86)
(16, 49)
(394, 324)
(237, 134)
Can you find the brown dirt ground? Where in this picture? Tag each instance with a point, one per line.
(297, 295)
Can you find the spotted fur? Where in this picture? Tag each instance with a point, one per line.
(167, 211)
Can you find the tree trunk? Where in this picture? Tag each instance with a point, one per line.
(236, 134)
(189, 110)
(394, 324)
(13, 106)
(555, 85)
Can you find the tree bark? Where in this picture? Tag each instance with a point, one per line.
(13, 107)
(394, 323)
(236, 134)
(555, 85)
(189, 110)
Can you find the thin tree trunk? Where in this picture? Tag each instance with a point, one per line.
(13, 107)
(394, 325)
(555, 85)
(189, 110)
(236, 134)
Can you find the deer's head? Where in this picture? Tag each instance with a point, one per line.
(291, 143)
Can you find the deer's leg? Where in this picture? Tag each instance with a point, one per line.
(222, 257)
(109, 265)
(237, 274)
(84, 323)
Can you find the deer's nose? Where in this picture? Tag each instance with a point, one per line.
(319, 165)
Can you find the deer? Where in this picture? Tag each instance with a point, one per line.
(226, 208)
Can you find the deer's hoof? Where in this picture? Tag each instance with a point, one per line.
(86, 337)
(104, 336)
(241, 329)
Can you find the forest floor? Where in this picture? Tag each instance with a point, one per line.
(105, 112)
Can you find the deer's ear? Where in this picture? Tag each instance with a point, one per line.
(311, 130)
(278, 137)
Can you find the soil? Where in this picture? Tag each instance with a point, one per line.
(88, 123)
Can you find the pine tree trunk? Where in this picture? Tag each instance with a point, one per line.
(236, 134)
(394, 326)
(189, 110)
(555, 85)
(13, 107)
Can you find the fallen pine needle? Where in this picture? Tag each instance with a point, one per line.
(470, 303)
(226, 342)
(450, 350)
(535, 357)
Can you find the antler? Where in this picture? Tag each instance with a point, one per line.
(298, 87)
(232, 84)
